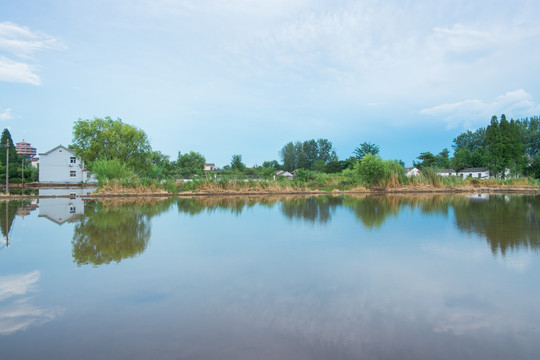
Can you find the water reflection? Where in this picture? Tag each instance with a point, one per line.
(17, 312)
(110, 232)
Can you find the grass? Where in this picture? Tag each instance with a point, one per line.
(347, 181)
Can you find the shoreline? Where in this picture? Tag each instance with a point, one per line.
(524, 190)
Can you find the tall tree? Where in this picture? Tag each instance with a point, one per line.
(505, 150)
(237, 164)
(288, 157)
(364, 149)
(105, 138)
(14, 159)
(191, 163)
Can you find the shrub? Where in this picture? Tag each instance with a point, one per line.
(111, 169)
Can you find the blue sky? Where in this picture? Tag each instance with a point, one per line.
(245, 76)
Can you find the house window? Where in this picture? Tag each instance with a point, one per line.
(479, 175)
(72, 160)
(73, 173)
(88, 175)
(72, 209)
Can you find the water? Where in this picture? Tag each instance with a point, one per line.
(395, 277)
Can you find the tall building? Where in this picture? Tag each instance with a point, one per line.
(24, 148)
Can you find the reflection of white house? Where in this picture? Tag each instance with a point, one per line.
(60, 210)
(60, 165)
(411, 171)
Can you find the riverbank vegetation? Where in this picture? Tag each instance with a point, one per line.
(123, 161)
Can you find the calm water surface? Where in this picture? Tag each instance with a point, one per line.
(396, 277)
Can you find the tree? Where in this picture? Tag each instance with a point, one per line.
(111, 139)
(15, 160)
(273, 164)
(364, 149)
(191, 163)
(505, 150)
(236, 163)
(288, 157)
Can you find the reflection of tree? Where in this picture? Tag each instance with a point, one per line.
(114, 231)
(233, 204)
(8, 210)
(313, 208)
(507, 222)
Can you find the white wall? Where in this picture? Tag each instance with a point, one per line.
(56, 167)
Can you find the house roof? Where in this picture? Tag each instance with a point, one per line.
(480, 169)
(56, 148)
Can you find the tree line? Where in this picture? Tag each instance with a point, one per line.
(502, 145)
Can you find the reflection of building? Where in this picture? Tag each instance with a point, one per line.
(27, 209)
(60, 165)
(25, 149)
(63, 209)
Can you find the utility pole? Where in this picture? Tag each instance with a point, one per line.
(22, 177)
(7, 167)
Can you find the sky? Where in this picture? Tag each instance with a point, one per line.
(248, 76)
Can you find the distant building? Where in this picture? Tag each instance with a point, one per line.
(209, 167)
(61, 166)
(447, 172)
(477, 173)
(25, 149)
(411, 171)
(286, 174)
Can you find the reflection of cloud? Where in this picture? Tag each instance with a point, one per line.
(19, 314)
(13, 285)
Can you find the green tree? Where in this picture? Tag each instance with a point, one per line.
(288, 157)
(15, 161)
(191, 163)
(505, 150)
(273, 164)
(364, 149)
(236, 164)
(105, 138)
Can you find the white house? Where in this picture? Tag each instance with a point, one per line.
(286, 174)
(447, 172)
(411, 171)
(477, 173)
(60, 165)
(209, 167)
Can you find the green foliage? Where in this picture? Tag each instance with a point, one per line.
(15, 161)
(441, 160)
(305, 154)
(505, 150)
(364, 149)
(110, 139)
(191, 163)
(374, 171)
(236, 164)
(272, 164)
(111, 169)
(371, 170)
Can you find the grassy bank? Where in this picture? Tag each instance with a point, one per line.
(312, 183)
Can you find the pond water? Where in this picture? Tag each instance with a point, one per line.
(328, 277)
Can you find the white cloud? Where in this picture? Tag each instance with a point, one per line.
(20, 42)
(18, 314)
(471, 113)
(6, 115)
